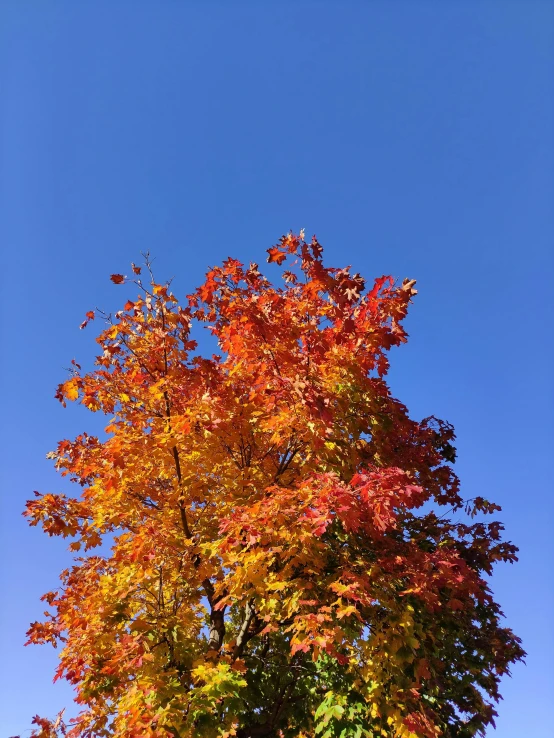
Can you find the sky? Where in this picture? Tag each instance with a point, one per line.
(414, 138)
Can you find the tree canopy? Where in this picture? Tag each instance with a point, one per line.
(265, 541)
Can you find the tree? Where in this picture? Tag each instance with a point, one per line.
(280, 564)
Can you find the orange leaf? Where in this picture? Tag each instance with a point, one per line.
(276, 255)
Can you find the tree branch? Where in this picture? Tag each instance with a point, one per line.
(243, 636)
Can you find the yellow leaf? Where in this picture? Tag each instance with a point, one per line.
(71, 389)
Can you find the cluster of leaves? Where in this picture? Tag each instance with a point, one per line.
(278, 565)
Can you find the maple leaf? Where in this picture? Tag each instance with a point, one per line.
(117, 278)
(408, 286)
(317, 249)
(88, 316)
(276, 255)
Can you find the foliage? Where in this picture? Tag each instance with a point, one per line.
(278, 563)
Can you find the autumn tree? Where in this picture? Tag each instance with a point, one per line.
(276, 553)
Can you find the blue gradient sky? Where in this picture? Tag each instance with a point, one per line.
(414, 138)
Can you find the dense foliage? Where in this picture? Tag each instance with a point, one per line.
(278, 555)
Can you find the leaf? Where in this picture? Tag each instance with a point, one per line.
(276, 255)
(408, 286)
(71, 389)
(89, 316)
(117, 278)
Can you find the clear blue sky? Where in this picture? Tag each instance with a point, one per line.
(414, 138)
